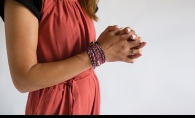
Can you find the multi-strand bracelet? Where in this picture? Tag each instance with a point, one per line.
(96, 54)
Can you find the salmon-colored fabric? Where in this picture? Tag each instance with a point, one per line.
(65, 30)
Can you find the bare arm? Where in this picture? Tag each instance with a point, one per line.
(21, 28)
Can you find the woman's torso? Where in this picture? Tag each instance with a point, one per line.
(64, 31)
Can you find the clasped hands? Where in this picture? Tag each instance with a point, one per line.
(121, 44)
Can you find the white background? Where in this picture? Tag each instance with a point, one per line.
(161, 82)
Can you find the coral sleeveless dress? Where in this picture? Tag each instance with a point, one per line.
(64, 31)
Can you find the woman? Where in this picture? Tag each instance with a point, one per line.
(52, 53)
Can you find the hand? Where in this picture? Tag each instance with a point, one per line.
(135, 50)
(118, 47)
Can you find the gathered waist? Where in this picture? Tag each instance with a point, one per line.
(80, 76)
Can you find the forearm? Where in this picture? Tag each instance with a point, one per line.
(49, 74)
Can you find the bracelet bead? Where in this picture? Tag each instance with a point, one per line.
(96, 54)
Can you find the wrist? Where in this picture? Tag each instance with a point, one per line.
(96, 54)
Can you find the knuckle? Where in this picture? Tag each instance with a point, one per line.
(110, 33)
(109, 28)
(140, 38)
(122, 37)
(128, 29)
(132, 61)
(140, 50)
(123, 47)
(132, 31)
(138, 42)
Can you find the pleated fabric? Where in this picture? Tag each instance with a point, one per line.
(64, 31)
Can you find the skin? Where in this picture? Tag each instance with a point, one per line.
(129, 58)
(21, 40)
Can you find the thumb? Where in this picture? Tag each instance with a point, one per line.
(111, 28)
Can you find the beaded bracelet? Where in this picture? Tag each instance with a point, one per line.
(96, 54)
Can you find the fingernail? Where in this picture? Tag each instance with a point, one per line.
(128, 29)
(133, 36)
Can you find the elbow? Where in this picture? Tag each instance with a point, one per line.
(20, 88)
(24, 82)
(22, 85)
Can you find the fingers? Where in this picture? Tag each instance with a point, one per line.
(124, 31)
(121, 31)
(135, 51)
(132, 58)
(124, 44)
(127, 38)
(133, 34)
(142, 45)
(128, 30)
(111, 28)
(134, 54)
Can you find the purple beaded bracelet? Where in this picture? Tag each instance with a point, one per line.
(96, 54)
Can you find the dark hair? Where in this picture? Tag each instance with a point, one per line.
(90, 7)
